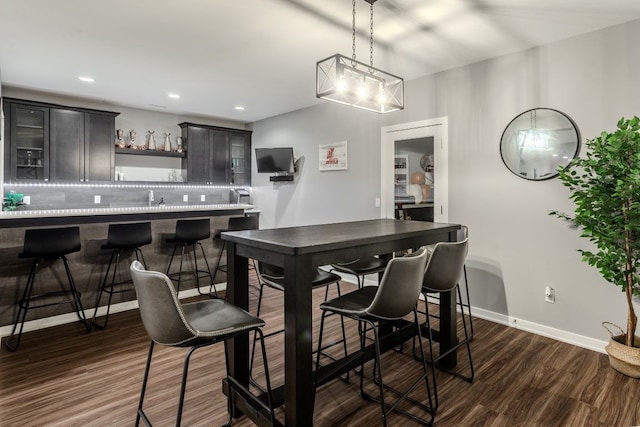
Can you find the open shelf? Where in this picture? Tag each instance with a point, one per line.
(138, 152)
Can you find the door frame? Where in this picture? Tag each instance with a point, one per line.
(439, 129)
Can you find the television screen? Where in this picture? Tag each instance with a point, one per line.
(271, 160)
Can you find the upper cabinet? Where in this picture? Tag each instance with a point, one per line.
(54, 143)
(215, 155)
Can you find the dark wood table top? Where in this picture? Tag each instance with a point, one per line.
(327, 237)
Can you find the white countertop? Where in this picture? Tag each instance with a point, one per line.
(46, 213)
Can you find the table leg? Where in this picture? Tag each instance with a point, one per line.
(299, 396)
(238, 294)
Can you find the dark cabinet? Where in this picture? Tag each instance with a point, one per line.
(54, 143)
(26, 142)
(216, 155)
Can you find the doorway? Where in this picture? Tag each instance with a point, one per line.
(401, 135)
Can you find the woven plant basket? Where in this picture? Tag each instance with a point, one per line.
(623, 358)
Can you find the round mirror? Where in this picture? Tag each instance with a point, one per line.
(537, 142)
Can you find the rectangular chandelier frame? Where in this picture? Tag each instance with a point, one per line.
(350, 82)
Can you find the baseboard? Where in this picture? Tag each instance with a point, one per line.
(525, 325)
(47, 322)
(514, 322)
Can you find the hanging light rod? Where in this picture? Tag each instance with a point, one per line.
(350, 82)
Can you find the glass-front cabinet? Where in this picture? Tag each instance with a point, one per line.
(29, 143)
(240, 158)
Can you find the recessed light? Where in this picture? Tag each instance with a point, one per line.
(174, 96)
(86, 79)
(239, 108)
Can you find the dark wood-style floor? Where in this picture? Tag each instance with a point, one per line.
(62, 376)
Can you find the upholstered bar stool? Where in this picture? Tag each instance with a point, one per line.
(361, 267)
(189, 233)
(378, 306)
(271, 276)
(193, 326)
(47, 245)
(121, 239)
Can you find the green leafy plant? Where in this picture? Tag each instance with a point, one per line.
(605, 187)
(12, 201)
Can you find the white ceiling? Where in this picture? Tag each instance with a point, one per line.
(261, 54)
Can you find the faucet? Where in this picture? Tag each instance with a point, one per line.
(150, 199)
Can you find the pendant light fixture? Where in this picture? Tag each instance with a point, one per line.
(347, 81)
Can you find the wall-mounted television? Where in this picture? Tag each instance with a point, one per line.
(275, 160)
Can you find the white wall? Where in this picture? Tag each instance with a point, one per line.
(516, 248)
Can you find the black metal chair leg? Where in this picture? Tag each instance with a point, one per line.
(76, 296)
(140, 413)
(23, 307)
(102, 290)
(208, 271)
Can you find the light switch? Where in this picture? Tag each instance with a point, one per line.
(96, 199)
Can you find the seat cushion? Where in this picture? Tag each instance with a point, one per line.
(353, 303)
(216, 318)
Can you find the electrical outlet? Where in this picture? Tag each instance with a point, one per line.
(26, 200)
(202, 197)
(377, 202)
(185, 198)
(549, 295)
(96, 199)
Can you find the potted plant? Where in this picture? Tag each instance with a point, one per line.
(605, 187)
(12, 201)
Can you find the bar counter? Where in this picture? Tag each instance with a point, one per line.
(89, 265)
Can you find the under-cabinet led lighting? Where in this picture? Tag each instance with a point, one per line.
(121, 185)
(86, 79)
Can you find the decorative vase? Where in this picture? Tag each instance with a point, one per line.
(167, 141)
(132, 140)
(120, 138)
(151, 145)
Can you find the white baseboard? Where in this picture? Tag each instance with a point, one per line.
(514, 322)
(62, 319)
(525, 325)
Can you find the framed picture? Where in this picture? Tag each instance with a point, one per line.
(333, 156)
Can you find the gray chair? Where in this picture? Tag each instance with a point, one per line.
(193, 325)
(463, 233)
(271, 276)
(395, 297)
(444, 269)
(361, 267)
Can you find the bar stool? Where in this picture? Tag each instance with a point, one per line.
(47, 245)
(189, 233)
(122, 238)
(236, 223)
(272, 277)
(361, 267)
(193, 326)
(379, 306)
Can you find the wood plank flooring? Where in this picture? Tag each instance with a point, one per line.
(62, 376)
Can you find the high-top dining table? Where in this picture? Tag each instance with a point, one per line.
(300, 250)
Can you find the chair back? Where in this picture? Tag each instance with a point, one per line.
(400, 287)
(192, 230)
(160, 308)
(50, 242)
(239, 223)
(445, 266)
(129, 236)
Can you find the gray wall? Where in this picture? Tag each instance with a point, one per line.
(516, 248)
